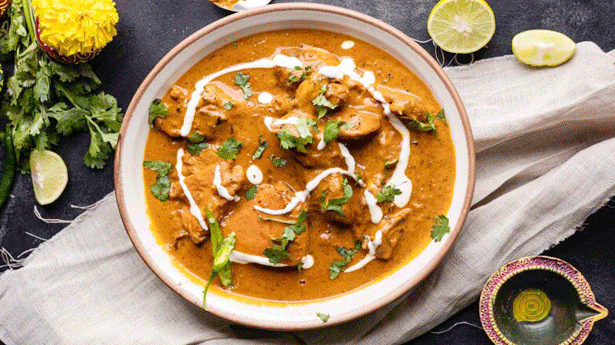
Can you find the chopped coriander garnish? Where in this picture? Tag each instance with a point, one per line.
(241, 80)
(321, 103)
(196, 137)
(235, 45)
(229, 149)
(228, 105)
(440, 228)
(292, 78)
(336, 204)
(323, 317)
(430, 126)
(277, 162)
(440, 116)
(251, 193)
(289, 141)
(157, 109)
(262, 145)
(390, 163)
(221, 249)
(337, 267)
(388, 194)
(279, 248)
(332, 129)
(161, 188)
(195, 149)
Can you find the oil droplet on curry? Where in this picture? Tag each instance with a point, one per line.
(329, 164)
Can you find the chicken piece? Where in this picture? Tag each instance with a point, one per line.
(405, 105)
(209, 114)
(365, 122)
(337, 93)
(332, 187)
(254, 235)
(178, 94)
(288, 79)
(280, 105)
(306, 92)
(199, 174)
(190, 226)
(392, 230)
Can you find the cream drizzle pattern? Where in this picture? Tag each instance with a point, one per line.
(398, 179)
(222, 191)
(280, 60)
(194, 209)
(243, 258)
(371, 245)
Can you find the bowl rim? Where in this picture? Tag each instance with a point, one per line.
(368, 20)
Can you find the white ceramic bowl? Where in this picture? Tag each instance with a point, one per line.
(129, 156)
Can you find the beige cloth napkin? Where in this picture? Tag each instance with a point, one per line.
(546, 161)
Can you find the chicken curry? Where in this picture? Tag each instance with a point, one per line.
(297, 165)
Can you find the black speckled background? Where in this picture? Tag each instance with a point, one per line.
(148, 29)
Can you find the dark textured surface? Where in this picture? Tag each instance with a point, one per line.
(150, 28)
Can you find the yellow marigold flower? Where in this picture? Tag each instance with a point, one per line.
(76, 26)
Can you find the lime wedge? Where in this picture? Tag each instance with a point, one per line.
(542, 47)
(49, 176)
(461, 26)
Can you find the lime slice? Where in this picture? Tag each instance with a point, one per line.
(461, 26)
(542, 47)
(49, 176)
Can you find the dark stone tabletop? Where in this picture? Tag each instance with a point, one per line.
(148, 29)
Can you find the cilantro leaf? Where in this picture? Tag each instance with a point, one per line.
(161, 167)
(338, 266)
(440, 228)
(336, 204)
(229, 149)
(323, 317)
(430, 126)
(161, 188)
(321, 103)
(279, 248)
(332, 129)
(241, 80)
(195, 149)
(251, 193)
(277, 162)
(388, 194)
(262, 145)
(390, 163)
(157, 109)
(196, 137)
(228, 105)
(288, 140)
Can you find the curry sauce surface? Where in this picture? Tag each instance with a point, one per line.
(431, 169)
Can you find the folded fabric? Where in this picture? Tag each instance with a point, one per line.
(545, 161)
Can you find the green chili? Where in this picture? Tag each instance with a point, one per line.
(8, 172)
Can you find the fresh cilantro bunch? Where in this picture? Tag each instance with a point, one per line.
(45, 100)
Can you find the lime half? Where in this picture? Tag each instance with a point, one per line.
(461, 26)
(49, 176)
(542, 47)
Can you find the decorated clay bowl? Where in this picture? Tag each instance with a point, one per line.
(130, 190)
(4, 6)
(538, 300)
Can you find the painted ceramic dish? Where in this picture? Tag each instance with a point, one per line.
(538, 300)
(130, 191)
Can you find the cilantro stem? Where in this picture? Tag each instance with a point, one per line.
(29, 17)
(276, 220)
(8, 172)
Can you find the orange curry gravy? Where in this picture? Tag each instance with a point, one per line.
(372, 141)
